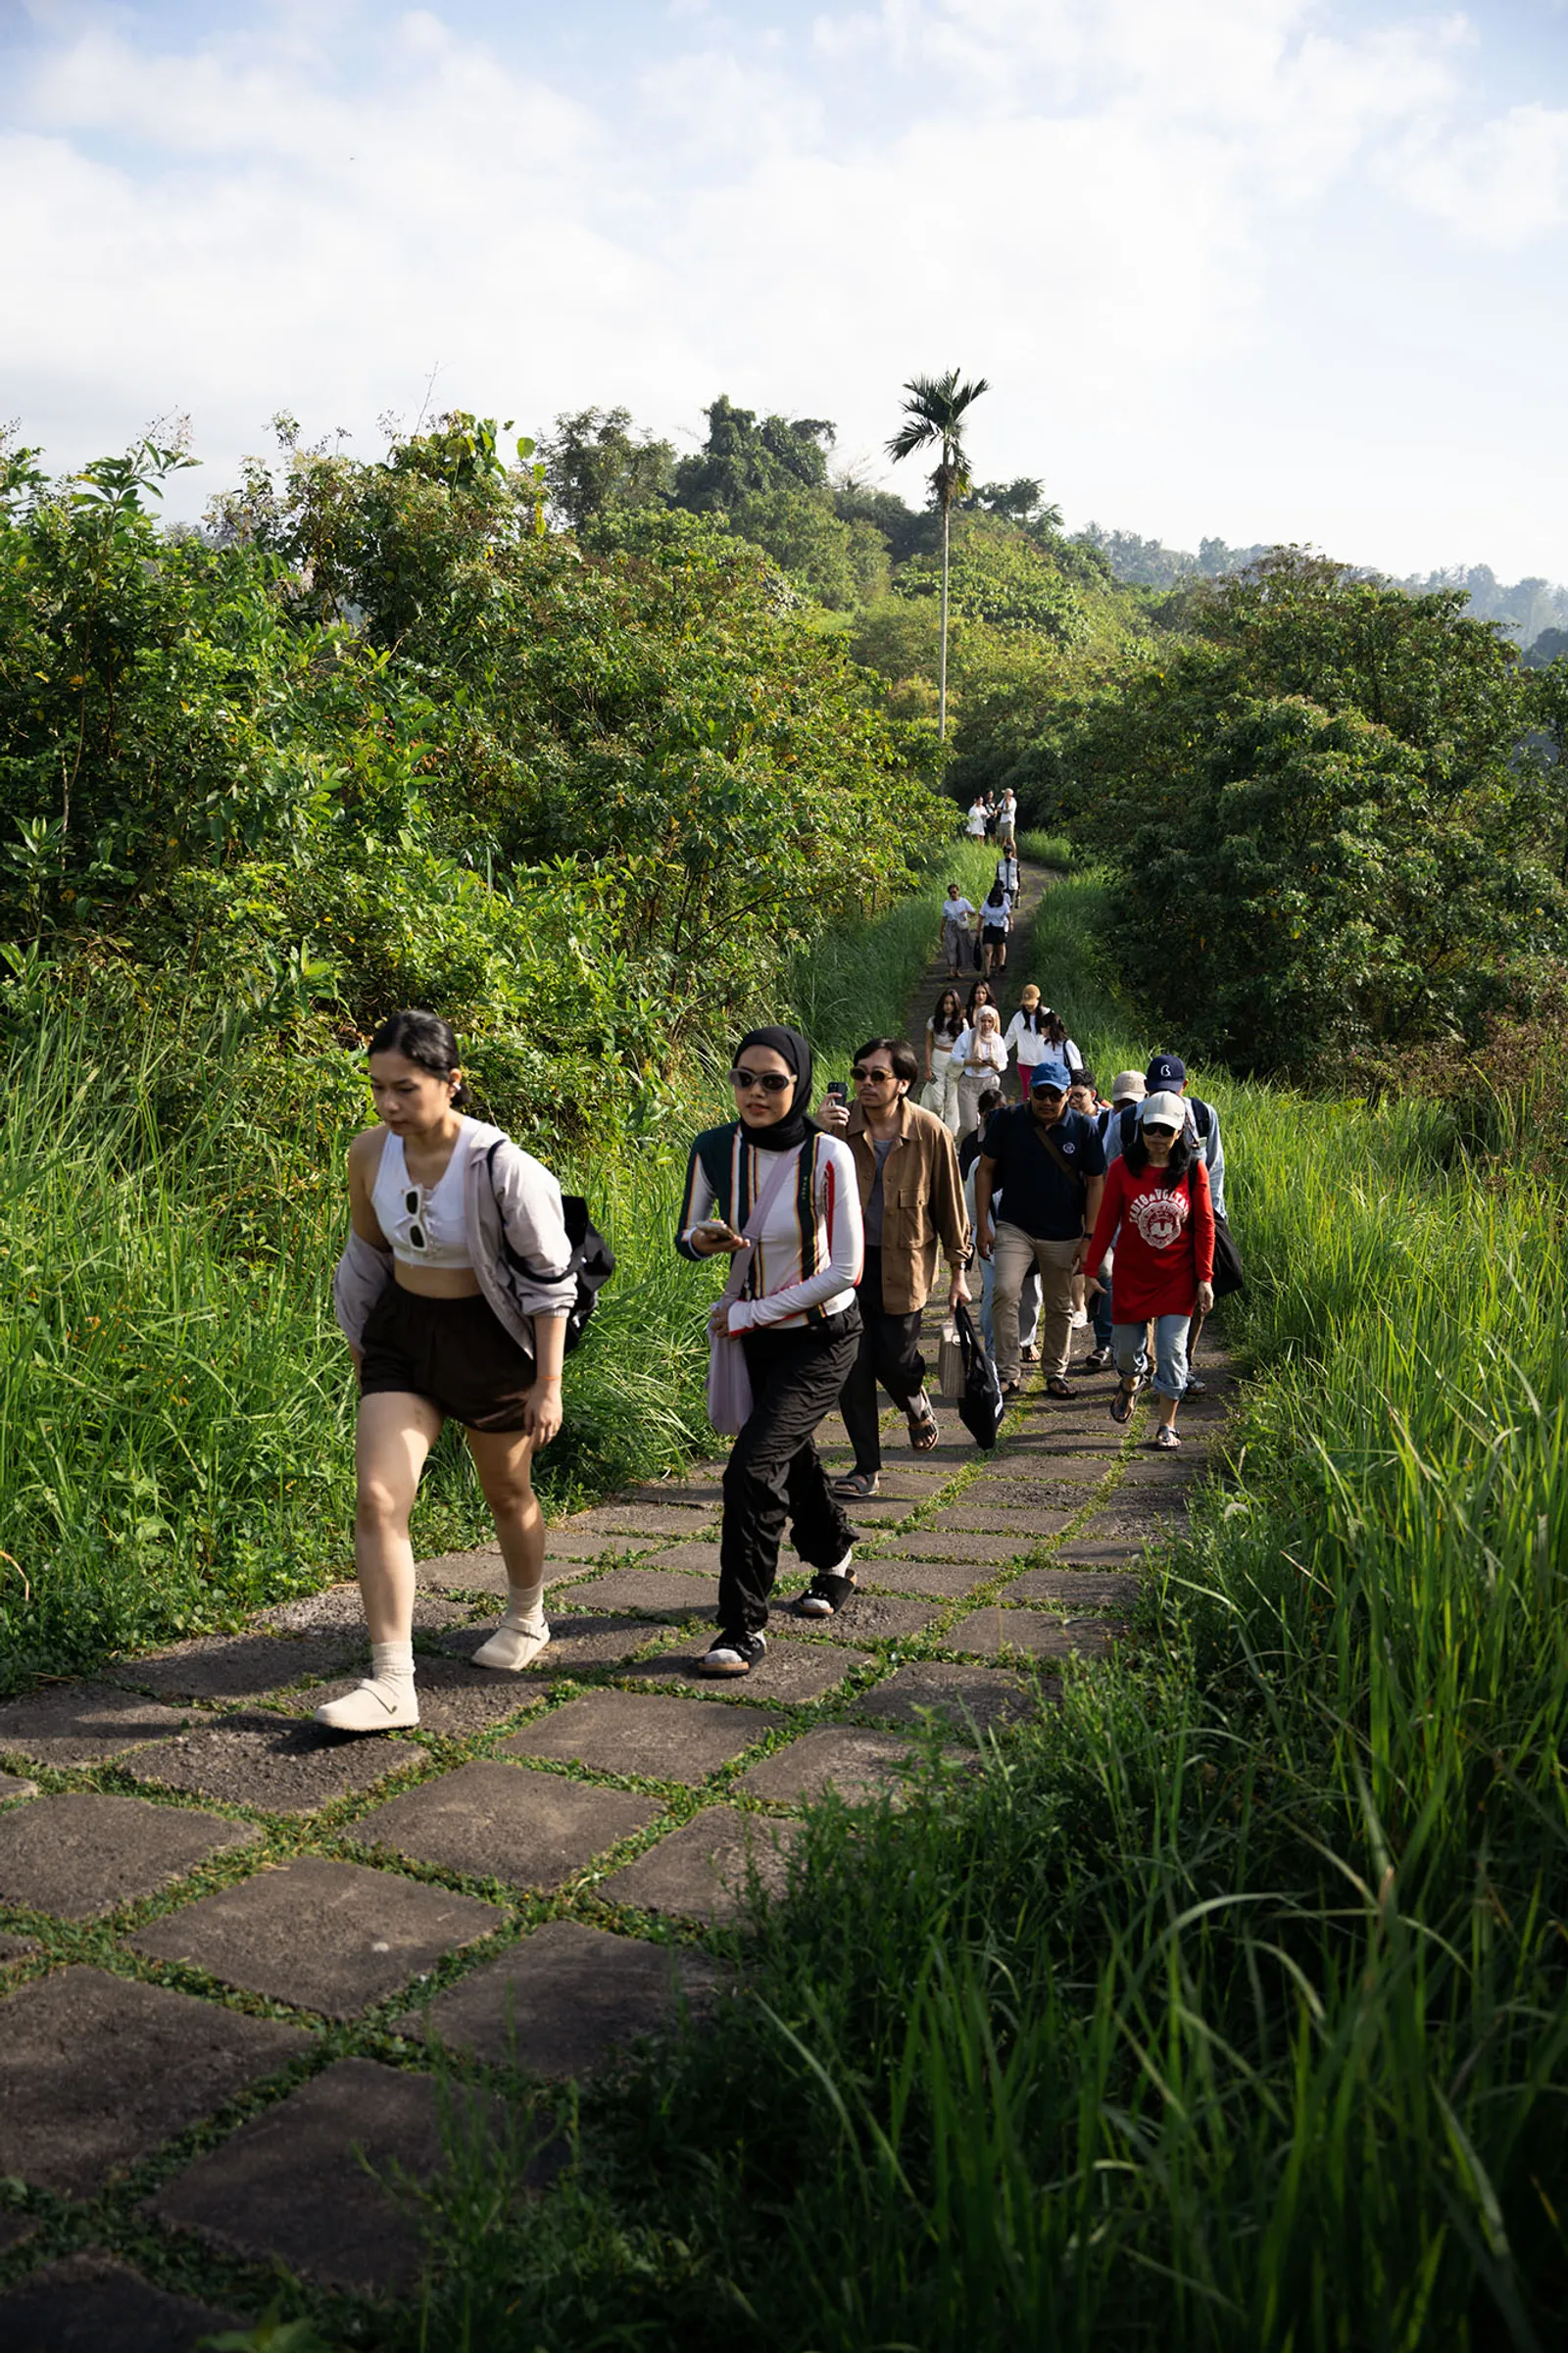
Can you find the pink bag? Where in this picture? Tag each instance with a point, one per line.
(729, 1384)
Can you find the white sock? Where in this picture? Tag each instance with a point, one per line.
(521, 1634)
(385, 1701)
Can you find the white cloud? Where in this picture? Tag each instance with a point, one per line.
(1084, 199)
(1505, 184)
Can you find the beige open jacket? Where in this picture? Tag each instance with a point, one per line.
(922, 1203)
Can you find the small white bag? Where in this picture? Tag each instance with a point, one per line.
(729, 1384)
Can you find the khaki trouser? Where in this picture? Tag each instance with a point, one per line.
(1015, 1251)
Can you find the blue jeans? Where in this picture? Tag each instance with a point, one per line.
(1102, 1311)
(1170, 1352)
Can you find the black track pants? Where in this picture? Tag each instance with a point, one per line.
(774, 1473)
(889, 1352)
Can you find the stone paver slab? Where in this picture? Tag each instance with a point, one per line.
(242, 1666)
(480, 1571)
(942, 1580)
(942, 1544)
(99, 2070)
(1069, 1588)
(856, 1765)
(91, 2304)
(875, 1618)
(794, 1672)
(281, 1764)
(655, 1593)
(288, 2185)
(640, 1734)
(15, 1785)
(696, 1491)
(576, 1639)
(985, 1518)
(458, 1699)
(879, 1511)
(987, 1632)
(647, 1520)
(1090, 1553)
(340, 1608)
(78, 1855)
(969, 1699)
(82, 1724)
(495, 1821)
(701, 1871)
(324, 1935)
(1137, 1528)
(561, 2002)
(701, 1559)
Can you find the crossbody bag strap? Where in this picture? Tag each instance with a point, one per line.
(752, 1229)
(1061, 1159)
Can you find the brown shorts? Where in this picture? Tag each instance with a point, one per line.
(452, 1351)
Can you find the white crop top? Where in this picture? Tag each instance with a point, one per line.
(433, 1214)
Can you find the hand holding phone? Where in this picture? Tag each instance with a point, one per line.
(836, 1091)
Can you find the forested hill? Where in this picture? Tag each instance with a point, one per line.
(583, 742)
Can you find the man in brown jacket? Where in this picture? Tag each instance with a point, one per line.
(911, 1198)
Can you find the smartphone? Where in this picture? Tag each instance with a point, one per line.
(836, 1091)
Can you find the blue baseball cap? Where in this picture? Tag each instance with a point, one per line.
(1051, 1074)
(1165, 1070)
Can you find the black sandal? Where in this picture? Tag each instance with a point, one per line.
(1121, 1404)
(825, 1595)
(1057, 1386)
(924, 1428)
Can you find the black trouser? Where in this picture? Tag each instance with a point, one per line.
(774, 1473)
(889, 1352)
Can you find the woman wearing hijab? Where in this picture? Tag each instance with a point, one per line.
(797, 1322)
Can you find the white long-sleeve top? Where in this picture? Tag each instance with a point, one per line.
(810, 1253)
(1032, 1046)
(970, 1048)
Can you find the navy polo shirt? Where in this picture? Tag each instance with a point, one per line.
(1037, 1195)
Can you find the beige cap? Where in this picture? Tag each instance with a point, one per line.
(1127, 1087)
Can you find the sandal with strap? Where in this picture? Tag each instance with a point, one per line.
(828, 1592)
(924, 1428)
(857, 1485)
(1057, 1386)
(1166, 1438)
(1121, 1404)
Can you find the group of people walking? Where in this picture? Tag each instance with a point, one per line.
(459, 1283)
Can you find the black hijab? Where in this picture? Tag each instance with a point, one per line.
(795, 1125)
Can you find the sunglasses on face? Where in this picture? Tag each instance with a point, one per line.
(1152, 1127)
(771, 1082)
(1049, 1094)
(414, 1209)
(870, 1078)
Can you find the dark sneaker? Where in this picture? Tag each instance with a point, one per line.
(733, 1654)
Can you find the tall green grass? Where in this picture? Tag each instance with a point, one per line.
(862, 976)
(176, 1406)
(1226, 2008)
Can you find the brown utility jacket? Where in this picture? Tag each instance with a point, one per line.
(922, 1202)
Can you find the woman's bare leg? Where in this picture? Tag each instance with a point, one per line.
(504, 1461)
(395, 1434)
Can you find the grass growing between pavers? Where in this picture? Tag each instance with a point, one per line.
(1226, 2007)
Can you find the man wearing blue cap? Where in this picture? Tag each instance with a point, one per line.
(1049, 1165)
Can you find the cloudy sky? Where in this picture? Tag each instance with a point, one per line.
(1261, 268)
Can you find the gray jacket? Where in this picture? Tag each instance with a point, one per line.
(521, 1205)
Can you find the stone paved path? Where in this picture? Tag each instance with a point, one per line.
(229, 1943)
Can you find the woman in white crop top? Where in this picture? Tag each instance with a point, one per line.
(453, 1293)
(797, 1319)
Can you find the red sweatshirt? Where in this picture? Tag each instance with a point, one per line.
(1164, 1240)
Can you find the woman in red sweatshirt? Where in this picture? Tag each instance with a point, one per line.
(1156, 1211)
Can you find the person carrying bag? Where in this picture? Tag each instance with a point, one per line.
(769, 1187)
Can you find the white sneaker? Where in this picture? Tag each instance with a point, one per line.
(1080, 1319)
(387, 1704)
(513, 1647)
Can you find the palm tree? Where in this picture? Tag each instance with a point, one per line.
(934, 414)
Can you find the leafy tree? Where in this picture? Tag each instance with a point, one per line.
(1017, 502)
(933, 419)
(1328, 832)
(904, 531)
(996, 573)
(595, 464)
(743, 456)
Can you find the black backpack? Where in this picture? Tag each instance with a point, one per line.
(591, 1265)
